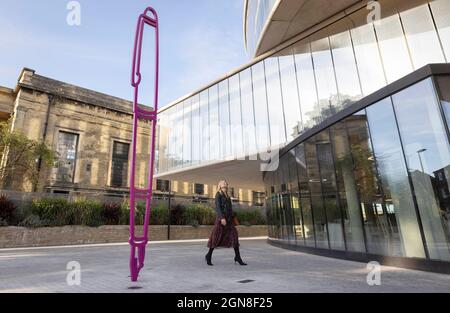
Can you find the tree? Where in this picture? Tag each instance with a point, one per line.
(22, 156)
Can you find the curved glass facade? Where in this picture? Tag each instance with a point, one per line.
(375, 182)
(257, 14)
(268, 104)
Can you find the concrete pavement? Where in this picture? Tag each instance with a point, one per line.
(180, 267)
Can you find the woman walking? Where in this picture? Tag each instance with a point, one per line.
(224, 233)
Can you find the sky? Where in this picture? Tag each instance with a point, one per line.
(200, 40)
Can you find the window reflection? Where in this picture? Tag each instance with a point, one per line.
(329, 192)
(290, 96)
(392, 43)
(428, 156)
(275, 102)
(204, 126)
(214, 128)
(260, 105)
(196, 131)
(224, 120)
(187, 133)
(348, 193)
(305, 196)
(420, 33)
(325, 77)
(441, 14)
(248, 115)
(315, 187)
(346, 72)
(394, 177)
(367, 55)
(376, 222)
(293, 186)
(236, 117)
(307, 86)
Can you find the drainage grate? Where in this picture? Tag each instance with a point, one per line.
(245, 281)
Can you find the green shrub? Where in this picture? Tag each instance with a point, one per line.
(197, 212)
(7, 210)
(248, 217)
(56, 211)
(89, 212)
(3, 223)
(159, 215)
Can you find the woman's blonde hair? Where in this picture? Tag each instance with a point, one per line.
(220, 184)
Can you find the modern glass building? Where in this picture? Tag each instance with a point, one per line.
(355, 95)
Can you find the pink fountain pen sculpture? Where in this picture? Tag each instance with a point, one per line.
(138, 244)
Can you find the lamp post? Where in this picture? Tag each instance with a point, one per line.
(420, 158)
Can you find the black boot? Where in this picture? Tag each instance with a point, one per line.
(208, 257)
(237, 257)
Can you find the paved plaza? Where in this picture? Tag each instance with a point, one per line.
(180, 267)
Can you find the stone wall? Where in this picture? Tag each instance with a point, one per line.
(18, 237)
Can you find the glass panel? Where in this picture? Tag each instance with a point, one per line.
(67, 155)
(196, 131)
(236, 117)
(275, 102)
(295, 198)
(305, 196)
(348, 193)
(248, 117)
(260, 101)
(376, 223)
(367, 56)
(391, 40)
(171, 144)
(329, 191)
(441, 14)
(224, 120)
(204, 126)
(394, 177)
(214, 129)
(427, 153)
(179, 135)
(345, 66)
(285, 198)
(315, 187)
(307, 87)
(291, 102)
(443, 182)
(187, 133)
(420, 33)
(163, 142)
(326, 82)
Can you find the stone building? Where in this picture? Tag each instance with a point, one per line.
(89, 131)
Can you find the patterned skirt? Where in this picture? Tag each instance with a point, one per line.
(223, 236)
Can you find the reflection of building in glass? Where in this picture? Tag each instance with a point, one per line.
(362, 145)
(441, 188)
